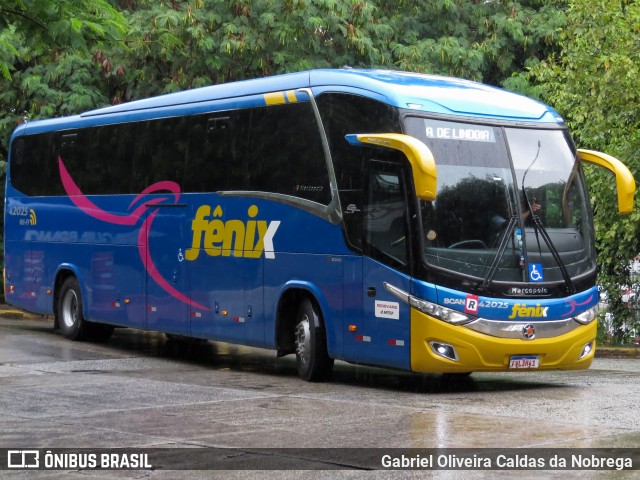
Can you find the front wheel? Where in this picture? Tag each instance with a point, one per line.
(314, 363)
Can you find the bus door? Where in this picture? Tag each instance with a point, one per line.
(382, 337)
(167, 272)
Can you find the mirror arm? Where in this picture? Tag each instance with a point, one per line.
(423, 165)
(625, 183)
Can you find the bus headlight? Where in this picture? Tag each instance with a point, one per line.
(587, 316)
(441, 313)
(433, 309)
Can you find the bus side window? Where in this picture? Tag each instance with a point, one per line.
(285, 154)
(165, 147)
(213, 163)
(18, 161)
(343, 114)
(70, 150)
(107, 166)
(385, 214)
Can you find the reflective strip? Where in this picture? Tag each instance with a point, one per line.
(238, 319)
(397, 343)
(196, 314)
(363, 338)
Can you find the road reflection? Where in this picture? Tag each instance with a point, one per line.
(238, 359)
(223, 356)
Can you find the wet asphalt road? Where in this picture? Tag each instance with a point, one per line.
(141, 390)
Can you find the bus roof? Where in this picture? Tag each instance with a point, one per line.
(419, 92)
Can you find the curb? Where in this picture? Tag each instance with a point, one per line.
(19, 314)
(12, 314)
(617, 352)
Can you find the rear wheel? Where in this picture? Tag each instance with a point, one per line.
(69, 310)
(314, 363)
(70, 313)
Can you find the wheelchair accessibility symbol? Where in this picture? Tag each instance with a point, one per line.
(535, 272)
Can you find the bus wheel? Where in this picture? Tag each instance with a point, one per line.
(314, 363)
(69, 310)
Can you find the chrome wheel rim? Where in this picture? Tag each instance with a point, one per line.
(303, 339)
(70, 308)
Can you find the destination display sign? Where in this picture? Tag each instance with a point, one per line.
(441, 130)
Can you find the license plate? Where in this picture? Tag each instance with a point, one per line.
(524, 361)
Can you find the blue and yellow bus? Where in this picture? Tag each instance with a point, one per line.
(409, 221)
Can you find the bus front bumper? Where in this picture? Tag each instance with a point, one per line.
(439, 347)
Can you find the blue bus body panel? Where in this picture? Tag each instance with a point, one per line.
(382, 335)
(508, 309)
(147, 273)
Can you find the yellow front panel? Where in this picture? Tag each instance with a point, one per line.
(481, 352)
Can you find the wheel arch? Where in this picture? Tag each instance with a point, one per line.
(289, 300)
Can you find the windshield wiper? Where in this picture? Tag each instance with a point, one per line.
(508, 234)
(539, 227)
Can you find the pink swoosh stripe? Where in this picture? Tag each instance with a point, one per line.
(91, 209)
(575, 304)
(172, 187)
(143, 239)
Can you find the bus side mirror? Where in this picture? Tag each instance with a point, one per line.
(423, 166)
(625, 183)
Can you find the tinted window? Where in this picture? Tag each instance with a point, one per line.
(216, 151)
(343, 114)
(272, 149)
(385, 225)
(31, 169)
(284, 153)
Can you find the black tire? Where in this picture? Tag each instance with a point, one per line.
(314, 363)
(70, 315)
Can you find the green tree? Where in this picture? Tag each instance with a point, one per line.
(183, 44)
(45, 25)
(595, 83)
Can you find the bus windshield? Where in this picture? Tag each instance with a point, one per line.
(511, 203)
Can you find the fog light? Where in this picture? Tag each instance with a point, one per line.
(586, 350)
(444, 350)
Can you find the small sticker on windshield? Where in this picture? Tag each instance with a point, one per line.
(535, 272)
